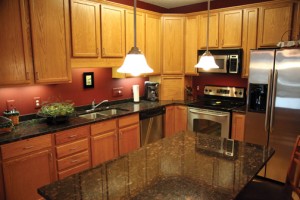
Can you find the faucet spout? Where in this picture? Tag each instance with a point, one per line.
(96, 106)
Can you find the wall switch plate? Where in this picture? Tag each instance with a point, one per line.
(117, 92)
(37, 102)
(10, 104)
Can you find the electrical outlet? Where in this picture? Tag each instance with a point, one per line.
(117, 92)
(198, 87)
(10, 104)
(37, 102)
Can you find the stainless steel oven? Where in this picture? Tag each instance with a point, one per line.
(211, 122)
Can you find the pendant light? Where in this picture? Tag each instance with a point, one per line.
(207, 61)
(135, 62)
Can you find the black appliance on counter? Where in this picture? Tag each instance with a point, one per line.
(151, 91)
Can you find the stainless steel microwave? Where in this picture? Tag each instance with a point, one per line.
(228, 60)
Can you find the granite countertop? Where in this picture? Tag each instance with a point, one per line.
(241, 109)
(185, 166)
(36, 127)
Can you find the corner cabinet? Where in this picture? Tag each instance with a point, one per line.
(15, 49)
(50, 38)
(112, 31)
(173, 44)
(274, 24)
(191, 47)
(175, 120)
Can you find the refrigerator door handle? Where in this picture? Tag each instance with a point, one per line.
(268, 100)
(273, 99)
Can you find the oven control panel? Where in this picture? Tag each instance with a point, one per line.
(224, 91)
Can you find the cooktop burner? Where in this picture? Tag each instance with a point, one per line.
(221, 98)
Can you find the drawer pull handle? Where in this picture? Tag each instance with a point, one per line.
(29, 147)
(72, 149)
(72, 136)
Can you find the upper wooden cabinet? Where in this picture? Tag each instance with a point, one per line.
(173, 44)
(112, 31)
(274, 24)
(191, 46)
(250, 20)
(50, 39)
(15, 48)
(231, 28)
(213, 31)
(140, 33)
(152, 42)
(85, 28)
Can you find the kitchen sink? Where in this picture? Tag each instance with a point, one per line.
(104, 113)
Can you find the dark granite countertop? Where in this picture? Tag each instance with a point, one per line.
(241, 109)
(185, 166)
(36, 127)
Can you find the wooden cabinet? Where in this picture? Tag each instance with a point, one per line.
(231, 28)
(238, 126)
(27, 165)
(191, 46)
(72, 151)
(213, 31)
(50, 40)
(172, 88)
(175, 120)
(85, 28)
(274, 24)
(104, 141)
(129, 134)
(250, 20)
(153, 41)
(15, 48)
(173, 44)
(112, 31)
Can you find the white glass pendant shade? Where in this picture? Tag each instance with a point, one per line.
(207, 61)
(135, 63)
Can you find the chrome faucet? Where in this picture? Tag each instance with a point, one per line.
(96, 106)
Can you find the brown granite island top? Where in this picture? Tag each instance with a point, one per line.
(185, 166)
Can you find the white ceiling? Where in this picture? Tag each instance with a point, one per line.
(172, 3)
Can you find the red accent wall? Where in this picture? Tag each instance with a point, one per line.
(23, 95)
(233, 80)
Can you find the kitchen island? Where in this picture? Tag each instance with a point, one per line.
(186, 166)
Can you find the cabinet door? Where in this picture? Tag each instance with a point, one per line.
(153, 41)
(104, 147)
(274, 24)
(169, 121)
(85, 24)
(112, 31)
(15, 48)
(173, 45)
(180, 118)
(213, 31)
(238, 126)
(231, 28)
(191, 46)
(25, 174)
(50, 39)
(249, 37)
(172, 88)
(129, 138)
(140, 30)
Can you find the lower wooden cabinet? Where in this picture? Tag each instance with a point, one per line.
(238, 126)
(30, 169)
(175, 119)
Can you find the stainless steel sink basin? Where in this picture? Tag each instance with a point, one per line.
(104, 113)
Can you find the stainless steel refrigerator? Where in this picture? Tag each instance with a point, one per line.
(273, 105)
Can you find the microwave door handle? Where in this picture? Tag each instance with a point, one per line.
(208, 113)
(268, 101)
(273, 100)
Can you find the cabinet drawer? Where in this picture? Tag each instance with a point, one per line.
(74, 160)
(71, 148)
(73, 170)
(72, 134)
(103, 127)
(25, 146)
(131, 119)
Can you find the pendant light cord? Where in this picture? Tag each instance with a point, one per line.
(134, 22)
(207, 34)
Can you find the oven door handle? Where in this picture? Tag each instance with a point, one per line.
(208, 113)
